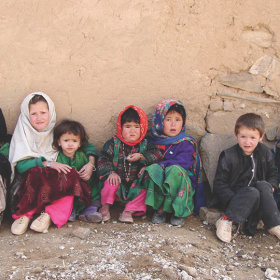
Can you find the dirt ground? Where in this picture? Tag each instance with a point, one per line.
(141, 250)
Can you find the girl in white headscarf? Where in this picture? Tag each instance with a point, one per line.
(46, 185)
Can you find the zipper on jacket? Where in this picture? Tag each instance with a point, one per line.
(253, 170)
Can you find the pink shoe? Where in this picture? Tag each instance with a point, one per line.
(104, 211)
(126, 217)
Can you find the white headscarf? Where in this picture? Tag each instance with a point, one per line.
(27, 142)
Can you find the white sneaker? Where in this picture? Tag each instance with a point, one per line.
(224, 229)
(275, 231)
(42, 223)
(20, 225)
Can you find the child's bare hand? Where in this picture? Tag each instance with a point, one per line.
(141, 171)
(86, 171)
(60, 167)
(114, 179)
(135, 157)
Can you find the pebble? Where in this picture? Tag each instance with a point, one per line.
(272, 274)
(81, 232)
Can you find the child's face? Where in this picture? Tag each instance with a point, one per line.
(39, 115)
(248, 139)
(172, 124)
(69, 144)
(131, 131)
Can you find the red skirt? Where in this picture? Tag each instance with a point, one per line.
(40, 186)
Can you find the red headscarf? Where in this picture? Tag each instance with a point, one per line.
(143, 125)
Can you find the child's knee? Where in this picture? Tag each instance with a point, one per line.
(264, 187)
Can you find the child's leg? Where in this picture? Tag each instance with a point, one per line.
(108, 193)
(179, 192)
(268, 207)
(108, 196)
(137, 205)
(60, 210)
(245, 202)
(21, 222)
(29, 214)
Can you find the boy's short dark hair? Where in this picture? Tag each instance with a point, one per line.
(36, 98)
(130, 115)
(250, 120)
(179, 109)
(69, 126)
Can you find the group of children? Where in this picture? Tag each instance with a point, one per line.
(62, 176)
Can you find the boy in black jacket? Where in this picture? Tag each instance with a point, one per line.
(245, 180)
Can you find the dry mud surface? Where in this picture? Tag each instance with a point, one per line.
(135, 251)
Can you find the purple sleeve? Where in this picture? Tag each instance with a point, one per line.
(179, 154)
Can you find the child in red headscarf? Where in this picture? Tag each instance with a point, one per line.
(121, 164)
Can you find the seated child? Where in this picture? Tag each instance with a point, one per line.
(69, 139)
(121, 163)
(178, 175)
(45, 185)
(245, 180)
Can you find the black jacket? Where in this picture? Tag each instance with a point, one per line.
(235, 171)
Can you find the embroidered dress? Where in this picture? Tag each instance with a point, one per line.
(112, 158)
(80, 159)
(177, 177)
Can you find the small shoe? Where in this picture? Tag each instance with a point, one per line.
(42, 223)
(224, 230)
(177, 221)
(90, 215)
(20, 225)
(126, 217)
(105, 214)
(275, 231)
(73, 215)
(159, 218)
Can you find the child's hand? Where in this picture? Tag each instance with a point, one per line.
(114, 179)
(60, 167)
(135, 157)
(141, 171)
(86, 171)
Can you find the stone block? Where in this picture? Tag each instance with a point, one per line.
(81, 232)
(261, 66)
(261, 38)
(228, 106)
(244, 81)
(211, 146)
(202, 213)
(210, 215)
(216, 105)
(222, 122)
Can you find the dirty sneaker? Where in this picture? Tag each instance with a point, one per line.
(20, 225)
(42, 223)
(159, 218)
(90, 215)
(224, 229)
(177, 221)
(275, 231)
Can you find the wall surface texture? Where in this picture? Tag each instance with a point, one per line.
(220, 58)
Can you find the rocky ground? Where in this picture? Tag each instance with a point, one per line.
(136, 251)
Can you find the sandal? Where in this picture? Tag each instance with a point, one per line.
(105, 214)
(126, 217)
